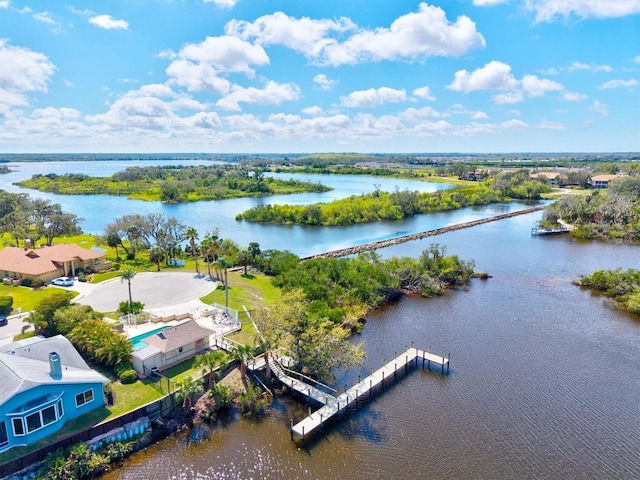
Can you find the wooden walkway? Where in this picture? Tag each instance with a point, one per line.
(362, 391)
(550, 231)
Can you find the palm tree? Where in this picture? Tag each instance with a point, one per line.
(209, 362)
(192, 235)
(223, 266)
(128, 275)
(242, 353)
(187, 389)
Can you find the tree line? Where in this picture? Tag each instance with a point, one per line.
(379, 205)
(22, 217)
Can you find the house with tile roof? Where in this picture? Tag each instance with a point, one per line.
(44, 383)
(602, 181)
(47, 263)
(170, 347)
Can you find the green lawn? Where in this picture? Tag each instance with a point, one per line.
(27, 298)
(253, 291)
(183, 370)
(130, 397)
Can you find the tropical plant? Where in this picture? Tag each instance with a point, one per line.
(224, 267)
(209, 362)
(192, 235)
(128, 275)
(187, 389)
(242, 353)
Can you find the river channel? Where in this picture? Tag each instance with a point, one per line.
(545, 380)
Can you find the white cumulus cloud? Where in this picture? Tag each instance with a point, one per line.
(272, 94)
(549, 10)
(23, 70)
(573, 96)
(197, 77)
(575, 66)
(226, 54)
(508, 98)
(373, 97)
(424, 93)
(493, 76)
(108, 22)
(537, 87)
(324, 82)
(632, 82)
(314, 111)
(305, 35)
(413, 36)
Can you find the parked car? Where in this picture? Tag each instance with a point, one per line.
(3, 320)
(63, 282)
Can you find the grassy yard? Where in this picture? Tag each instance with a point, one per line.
(252, 291)
(27, 298)
(130, 397)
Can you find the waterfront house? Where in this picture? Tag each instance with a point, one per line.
(170, 347)
(44, 383)
(47, 263)
(602, 181)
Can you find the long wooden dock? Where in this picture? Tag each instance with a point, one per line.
(361, 391)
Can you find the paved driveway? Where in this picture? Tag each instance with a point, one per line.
(153, 289)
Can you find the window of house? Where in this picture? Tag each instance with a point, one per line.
(34, 422)
(18, 426)
(36, 414)
(180, 350)
(4, 438)
(84, 397)
(49, 415)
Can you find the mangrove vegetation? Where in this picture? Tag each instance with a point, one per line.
(378, 205)
(621, 285)
(174, 184)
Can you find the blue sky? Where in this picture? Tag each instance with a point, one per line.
(319, 76)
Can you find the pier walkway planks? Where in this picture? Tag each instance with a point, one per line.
(333, 406)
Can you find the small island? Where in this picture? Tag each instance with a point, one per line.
(174, 184)
(378, 206)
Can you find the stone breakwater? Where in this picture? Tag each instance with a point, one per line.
(343, 252)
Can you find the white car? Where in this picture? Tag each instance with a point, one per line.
(63, 282)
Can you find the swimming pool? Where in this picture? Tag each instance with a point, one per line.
(138, 342)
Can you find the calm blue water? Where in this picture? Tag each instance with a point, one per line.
(545, 381)
(99, 210)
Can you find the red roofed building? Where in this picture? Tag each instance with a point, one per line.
(47, 263)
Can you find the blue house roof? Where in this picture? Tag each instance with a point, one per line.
(26, 364)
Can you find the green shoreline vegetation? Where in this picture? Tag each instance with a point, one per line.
(621, 285)
(174, 184)
(609, 214)
(378, 205)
